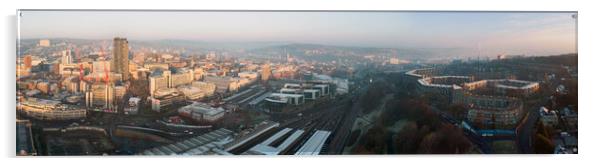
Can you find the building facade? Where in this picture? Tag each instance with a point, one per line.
(120, 62)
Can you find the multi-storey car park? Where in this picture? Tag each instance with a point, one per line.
(501, 108)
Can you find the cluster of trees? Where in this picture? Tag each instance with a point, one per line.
(568, 99)
(566, 59)
(374, 141)
(444, 139)
(458, 111)
(423, 132)
(139, 88)
(372, 98)
(542, 139)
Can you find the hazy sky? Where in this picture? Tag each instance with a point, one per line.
(494, 33)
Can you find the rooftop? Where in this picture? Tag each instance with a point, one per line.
(314, 144)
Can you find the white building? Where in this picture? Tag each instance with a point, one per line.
(323, 88)
(548, 117)
(132, 107)
(202, 112)
(309, 94)
(66, 57)
(165, 79)
(283, 98)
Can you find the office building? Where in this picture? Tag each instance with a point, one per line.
(66, 57)
(120, 62)
(159, 79)
(266, 72)
(166, 97)
(100, 95)
(181, 77)
(191, 92)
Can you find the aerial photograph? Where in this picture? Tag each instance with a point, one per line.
(261, 82)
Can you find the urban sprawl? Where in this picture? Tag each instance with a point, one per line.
(120, 97)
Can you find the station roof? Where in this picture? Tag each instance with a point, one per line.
(314, 144)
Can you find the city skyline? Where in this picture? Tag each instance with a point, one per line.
(124, 95)
(491, 33)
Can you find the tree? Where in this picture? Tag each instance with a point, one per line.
(407, 139)
(371, 99)
(373, 142)
(458, 111)
(392, 113)
(448, 139)
(543, 145)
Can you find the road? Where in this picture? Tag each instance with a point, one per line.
(525, 131)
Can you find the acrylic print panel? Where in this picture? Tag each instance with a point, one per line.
(164, 82)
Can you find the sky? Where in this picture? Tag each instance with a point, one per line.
(530, 33)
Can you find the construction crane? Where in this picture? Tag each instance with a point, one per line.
(93, 68)
(106, 74)
(106, 70)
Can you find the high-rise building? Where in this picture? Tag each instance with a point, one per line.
(66, 58)
(120, 62)
(266, 71)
